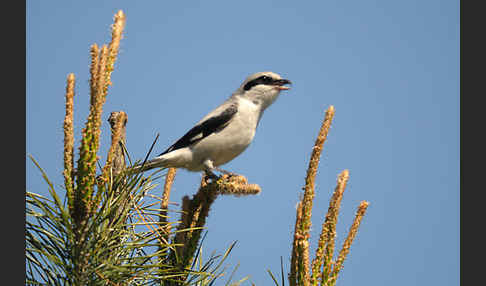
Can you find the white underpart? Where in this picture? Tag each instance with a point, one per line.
(219, 147)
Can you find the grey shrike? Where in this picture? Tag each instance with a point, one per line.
(225, 132)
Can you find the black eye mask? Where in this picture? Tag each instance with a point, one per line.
(264, 79)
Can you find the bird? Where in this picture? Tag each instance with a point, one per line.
(225, 132)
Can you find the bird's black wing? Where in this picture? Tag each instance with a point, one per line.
(204, 129)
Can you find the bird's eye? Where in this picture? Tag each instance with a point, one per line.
(266, 79)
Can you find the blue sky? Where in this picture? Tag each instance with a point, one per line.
(390, 68)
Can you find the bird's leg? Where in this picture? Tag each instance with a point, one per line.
(208, 170)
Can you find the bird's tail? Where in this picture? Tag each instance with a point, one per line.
(150, 164)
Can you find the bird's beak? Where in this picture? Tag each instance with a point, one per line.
(280, 84)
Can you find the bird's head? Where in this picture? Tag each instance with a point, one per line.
(263, 88)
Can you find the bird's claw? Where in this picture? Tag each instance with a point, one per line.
(211, 175)
(230, 174)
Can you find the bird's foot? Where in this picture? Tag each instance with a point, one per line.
(230, 174)
(211, 175)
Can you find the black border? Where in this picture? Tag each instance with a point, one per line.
(13, 140)
(472, 144)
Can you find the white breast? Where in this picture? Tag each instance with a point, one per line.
(221, 147)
